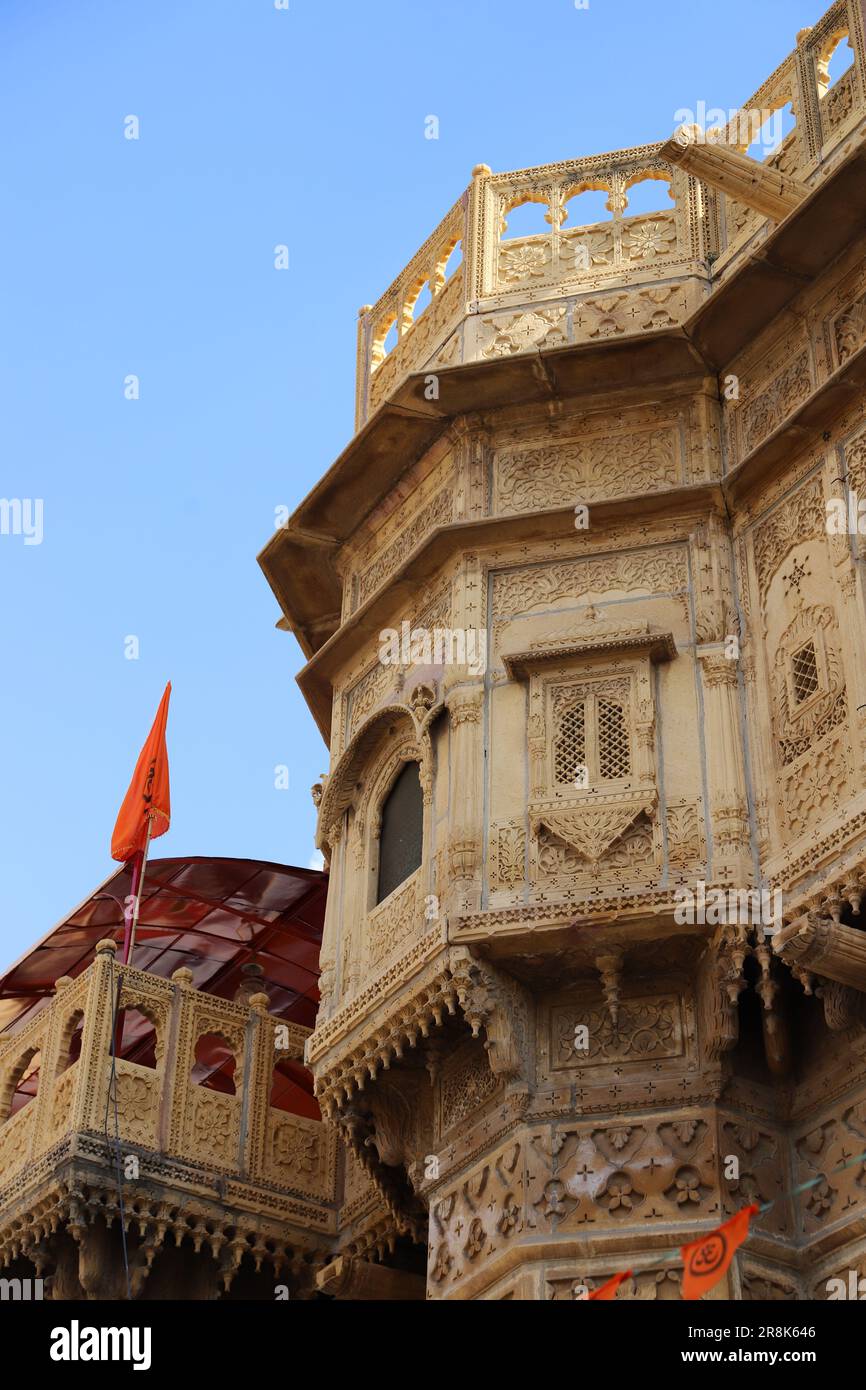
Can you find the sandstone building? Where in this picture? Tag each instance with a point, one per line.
(582, 606)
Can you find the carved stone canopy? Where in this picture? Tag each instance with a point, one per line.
(594, 636)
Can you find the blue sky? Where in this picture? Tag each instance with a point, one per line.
(155, 257)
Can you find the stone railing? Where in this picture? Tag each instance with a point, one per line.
(160, 1110)
(589, 281)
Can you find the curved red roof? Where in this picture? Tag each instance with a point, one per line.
(211, 915)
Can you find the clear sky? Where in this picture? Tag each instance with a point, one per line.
(155, 257)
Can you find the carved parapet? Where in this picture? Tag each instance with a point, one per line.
(164, 1118)
(824, 947)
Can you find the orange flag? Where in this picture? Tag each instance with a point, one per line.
(148, 796)
(609, 1289)
(706, 1260)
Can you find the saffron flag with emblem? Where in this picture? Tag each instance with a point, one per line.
(148, 796)
(706, 1260)
(609, 1289)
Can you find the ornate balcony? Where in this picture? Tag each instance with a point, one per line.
(213, 1169)
(625, 277)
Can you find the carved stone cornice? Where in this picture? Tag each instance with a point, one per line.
(351, 1062)
(594, 638)
(74, 1189)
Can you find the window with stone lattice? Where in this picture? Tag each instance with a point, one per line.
(592, 742)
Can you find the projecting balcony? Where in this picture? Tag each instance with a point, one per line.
(185, 1138)
(624, 244)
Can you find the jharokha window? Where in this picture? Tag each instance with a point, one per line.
(401, 838)
(804, 670)
(592, 742)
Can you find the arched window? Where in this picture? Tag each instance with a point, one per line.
(215, 1064)
(21, 1084)
(70, 1041)
(401, 839)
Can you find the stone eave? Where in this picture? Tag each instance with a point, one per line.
(299, 561)
(315, 679)
(659, 646)
(627, 919)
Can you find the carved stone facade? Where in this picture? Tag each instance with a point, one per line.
(560, 1064)
(599, 604)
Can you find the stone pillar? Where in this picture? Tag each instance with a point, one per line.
(465, 709)
(88, 1110)
(350, 841)
(331, 935)
(477, 256)
(851, 624)
(729, 807)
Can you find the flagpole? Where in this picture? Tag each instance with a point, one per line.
(129, 946)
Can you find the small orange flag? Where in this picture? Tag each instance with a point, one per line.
(148, 797)
(609, 1289)
(706, 1260)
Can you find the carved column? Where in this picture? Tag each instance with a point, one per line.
(89, 1104)
(730, 817)
(806, 100)
(330, 939)
(850, 614)
(349, 901)
(758, 747)
(481, 240)
(471, 441)
(465, 709)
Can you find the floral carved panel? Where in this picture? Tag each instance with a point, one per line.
(538, 586)
(646, 1029)
(540, 475)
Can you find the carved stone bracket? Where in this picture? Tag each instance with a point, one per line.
(824, 947)
(591, 828)
(767, 191)
(720, 982)
(493, 1002)
(844, 1007)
